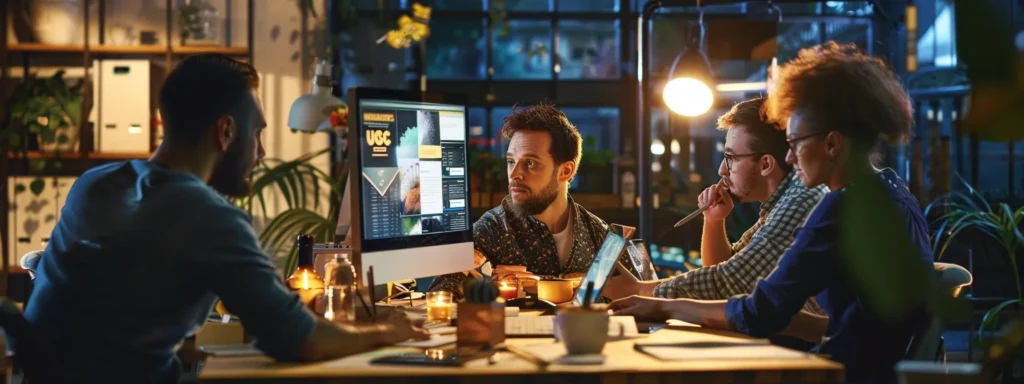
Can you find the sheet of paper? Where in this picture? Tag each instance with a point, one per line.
(673, 323)
(231, 350)
(722, 351)
(432, 342)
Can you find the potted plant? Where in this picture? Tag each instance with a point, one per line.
(44, 115)
(481, 316)
(46, 109)
(959, 212)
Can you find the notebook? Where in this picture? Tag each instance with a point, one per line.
(544, 326)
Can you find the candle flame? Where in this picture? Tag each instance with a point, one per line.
(305, 279)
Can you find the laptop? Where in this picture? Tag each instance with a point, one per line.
(599, 272)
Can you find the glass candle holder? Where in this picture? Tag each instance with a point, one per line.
(439, 306)
(508, 288)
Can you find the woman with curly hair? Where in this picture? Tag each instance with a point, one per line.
(837, 105)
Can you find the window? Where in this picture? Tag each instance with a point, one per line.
(479, 136)
(457, 5)
(856, 33)
(374, 5)
(524, 54)
(588, 5)
(523, 5)
(458, 50)
(497, 118)
(668, 39)
(599, 126)
(848, 8)
(588, 49)
(993, 169)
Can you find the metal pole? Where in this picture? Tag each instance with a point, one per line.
(643, 134)
(646, 221)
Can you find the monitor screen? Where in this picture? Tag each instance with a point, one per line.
(412, 169)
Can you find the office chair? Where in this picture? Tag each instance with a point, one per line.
(928, 344)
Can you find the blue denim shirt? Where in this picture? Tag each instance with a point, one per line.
(134, 266)
(867, 344)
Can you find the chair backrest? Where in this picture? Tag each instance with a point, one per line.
(952, 278)
(927, 343)
(26, 349)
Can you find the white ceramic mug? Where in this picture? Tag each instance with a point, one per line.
(583, 331)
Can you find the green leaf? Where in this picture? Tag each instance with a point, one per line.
(62, 139)
(19, 188)
(37, 164)
(37, 187)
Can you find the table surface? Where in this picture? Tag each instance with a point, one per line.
(622, 364)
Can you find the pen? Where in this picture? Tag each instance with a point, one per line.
(526, 356)
(694, 214)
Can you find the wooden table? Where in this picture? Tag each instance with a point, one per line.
(622, 364)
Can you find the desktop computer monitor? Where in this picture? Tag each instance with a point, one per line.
(408, 191)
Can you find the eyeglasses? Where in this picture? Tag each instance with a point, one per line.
(730, 159)
(792, 142)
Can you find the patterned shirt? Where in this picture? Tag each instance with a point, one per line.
(757, 252)
(507, 237)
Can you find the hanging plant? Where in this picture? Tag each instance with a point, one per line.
(410, 29)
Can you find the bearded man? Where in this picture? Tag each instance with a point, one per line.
(538, 225)
(143, 248)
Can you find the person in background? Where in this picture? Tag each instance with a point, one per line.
(837, 104)
(754, 169)
(144, 248)
(538, 225)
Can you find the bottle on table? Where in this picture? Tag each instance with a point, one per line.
(305, 281)
(340, 280)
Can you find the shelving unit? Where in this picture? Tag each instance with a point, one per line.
(17, 164)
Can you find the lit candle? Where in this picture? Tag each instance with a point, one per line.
(508, 291)
(439, 306)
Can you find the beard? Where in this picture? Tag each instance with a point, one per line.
(741, 193)
(231, 176)
(537, 202)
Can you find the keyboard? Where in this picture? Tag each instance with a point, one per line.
(544, 326)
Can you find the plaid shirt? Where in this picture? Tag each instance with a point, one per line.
(757, 252)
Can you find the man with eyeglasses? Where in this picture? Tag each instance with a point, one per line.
(754, 169)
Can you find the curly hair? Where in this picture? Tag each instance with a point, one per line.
(566, 142)
(836, 87)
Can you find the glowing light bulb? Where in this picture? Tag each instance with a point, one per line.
(688, 96)
(657, 147)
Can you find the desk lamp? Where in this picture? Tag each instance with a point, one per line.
(310, 113)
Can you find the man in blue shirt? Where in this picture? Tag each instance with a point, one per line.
(869, 215)
(144, 248)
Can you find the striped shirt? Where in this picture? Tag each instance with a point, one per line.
(757, 252)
